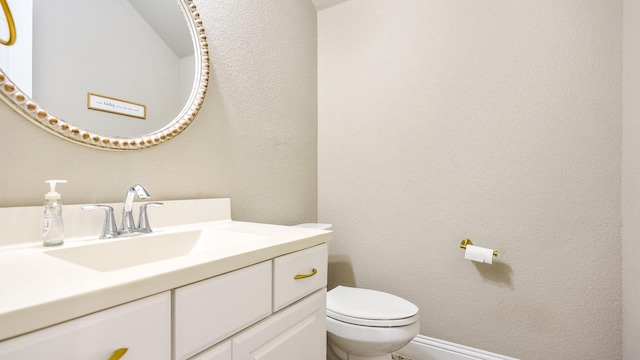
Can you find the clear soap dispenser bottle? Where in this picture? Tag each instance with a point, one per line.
(52, 227)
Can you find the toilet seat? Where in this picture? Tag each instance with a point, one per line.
(367, 307)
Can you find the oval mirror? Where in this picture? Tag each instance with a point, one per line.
(110, 74)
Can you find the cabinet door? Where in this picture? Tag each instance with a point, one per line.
(142, 326)
(211, 310)
(297, 332)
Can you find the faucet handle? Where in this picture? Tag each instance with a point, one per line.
(109, 230)
(143, 218)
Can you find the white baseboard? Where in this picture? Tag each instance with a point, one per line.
(426, 348)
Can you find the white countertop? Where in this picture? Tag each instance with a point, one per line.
(38, 290)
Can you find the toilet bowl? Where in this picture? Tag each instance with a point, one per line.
(365, 324)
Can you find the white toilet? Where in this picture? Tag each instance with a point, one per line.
(365, 324)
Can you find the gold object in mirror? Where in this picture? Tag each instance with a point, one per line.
(10, 23)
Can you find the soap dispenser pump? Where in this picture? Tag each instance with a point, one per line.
(53, 227)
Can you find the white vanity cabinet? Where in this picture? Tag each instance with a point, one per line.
(142, 326)
(200, 287)
(272, 310)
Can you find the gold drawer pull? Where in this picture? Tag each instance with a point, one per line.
(118, 354)
(303, 276)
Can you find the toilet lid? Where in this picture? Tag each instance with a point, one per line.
(369, 307)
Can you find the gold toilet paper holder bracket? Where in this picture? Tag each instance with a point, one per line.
(465, 242)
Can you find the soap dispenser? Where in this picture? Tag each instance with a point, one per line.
(52, 228)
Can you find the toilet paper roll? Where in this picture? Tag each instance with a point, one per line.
(479, 254)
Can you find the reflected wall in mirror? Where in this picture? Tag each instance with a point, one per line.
(148, 52)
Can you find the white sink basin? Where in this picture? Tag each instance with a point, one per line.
(109, 255)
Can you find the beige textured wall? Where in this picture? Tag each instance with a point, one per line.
(631, 181)
(253, 141)
(496, 120)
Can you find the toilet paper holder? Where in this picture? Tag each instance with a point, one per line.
(465, 242)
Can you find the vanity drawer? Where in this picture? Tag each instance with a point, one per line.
(142, 326)
(211, 310)
(294, 276)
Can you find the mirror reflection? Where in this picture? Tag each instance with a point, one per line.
(137, 56)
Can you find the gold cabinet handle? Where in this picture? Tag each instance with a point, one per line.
(118, 354)
(304, 276)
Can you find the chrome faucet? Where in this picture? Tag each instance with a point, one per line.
(128, 225)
